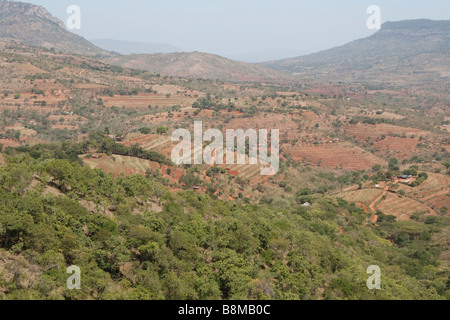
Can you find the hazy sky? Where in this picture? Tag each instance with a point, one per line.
(250, 30)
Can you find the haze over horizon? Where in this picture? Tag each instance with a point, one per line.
(251, 31)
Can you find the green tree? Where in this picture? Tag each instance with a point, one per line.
(393, 164)
(376, 167)
(161, 130)
(146, 130)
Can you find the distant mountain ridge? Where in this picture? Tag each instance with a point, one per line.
(407, 52)
(134, 47)
(199, 65)
(33, 25)
(399, 50)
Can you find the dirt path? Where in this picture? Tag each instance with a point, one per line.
(372, 205)
(363, 206)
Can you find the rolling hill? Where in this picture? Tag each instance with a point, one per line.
(134, 47)
(33, 25)
(199, 65)
(409, 51)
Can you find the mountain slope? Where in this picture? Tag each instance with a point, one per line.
(34, 26)
(133, 47)
(199, 65)
(413, 50)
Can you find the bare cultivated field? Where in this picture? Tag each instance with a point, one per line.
(264, 121)
(15, 143)
(249, 172)
(287, 124)
(124, 165)
(434, 191)
(336, 155)
(9, 143)
(143, 100)
(435, 185)
(439, 202)
(365, 196)
(401, 148)
(388, 140)
(154, 142)
(402, 207)
(363, 131)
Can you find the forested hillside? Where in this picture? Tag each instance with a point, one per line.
(133, 239)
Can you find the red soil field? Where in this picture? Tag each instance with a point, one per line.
(401, 147)
(336, 155)
(154, 142)
(402, 207)
(124, 165)
(143, 100)
(278, 121)
(362, 131)
(436, 184)
(440, 202)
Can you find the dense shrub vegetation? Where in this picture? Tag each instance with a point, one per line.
(55, 213)
(98, 142)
